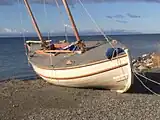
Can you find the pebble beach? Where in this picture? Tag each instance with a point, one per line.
(38, 100)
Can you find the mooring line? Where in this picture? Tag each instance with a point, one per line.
(147, 78)
(135, 73)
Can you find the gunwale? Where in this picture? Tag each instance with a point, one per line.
(79, 66)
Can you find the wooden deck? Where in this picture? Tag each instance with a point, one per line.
(96, 52)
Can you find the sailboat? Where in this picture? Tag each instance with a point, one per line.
(104, 64)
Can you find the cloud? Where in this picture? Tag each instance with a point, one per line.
(12, 30)
(6, 2)
(109, 17)
(72, 2)
(122, 21)
(119, 16)
(7, 30)
(133, 16)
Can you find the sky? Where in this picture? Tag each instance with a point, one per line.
(129, 15)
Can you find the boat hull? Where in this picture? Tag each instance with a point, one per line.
(113, 74)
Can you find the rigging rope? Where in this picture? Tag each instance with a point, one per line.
(21, 21)
(100, 30)
(62, 19)
(23, 34)
(46, 16)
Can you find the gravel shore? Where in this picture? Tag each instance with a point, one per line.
(38, 100)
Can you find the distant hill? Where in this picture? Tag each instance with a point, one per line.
(87, 32)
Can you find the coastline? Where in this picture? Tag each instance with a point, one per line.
(38, 100)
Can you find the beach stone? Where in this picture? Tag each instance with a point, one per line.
(58, 103)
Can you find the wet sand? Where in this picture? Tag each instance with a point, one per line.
(38, 100)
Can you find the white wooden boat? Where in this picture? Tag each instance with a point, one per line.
(87, 66)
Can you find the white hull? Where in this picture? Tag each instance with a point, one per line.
(113, 74)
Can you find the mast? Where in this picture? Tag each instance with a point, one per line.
(71, 20)
(34, 23)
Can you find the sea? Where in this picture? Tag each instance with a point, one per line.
(14, 64)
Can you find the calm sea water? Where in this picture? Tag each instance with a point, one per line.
(14, 64)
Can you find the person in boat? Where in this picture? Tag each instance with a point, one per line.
(78, 45)
(114, 51)
(57, 46)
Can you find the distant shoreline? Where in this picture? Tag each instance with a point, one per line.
(35, 36)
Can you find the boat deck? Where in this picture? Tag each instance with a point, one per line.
(96, 52)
